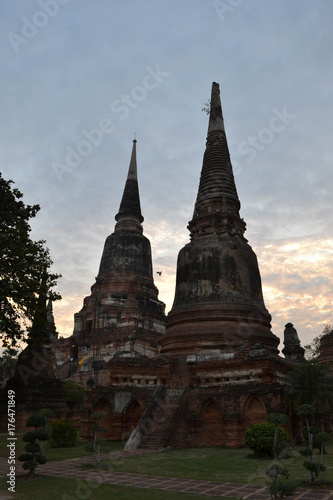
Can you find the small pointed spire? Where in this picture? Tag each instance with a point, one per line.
(129, 216)
(50, 320)
(215, 116)
(133, 171)
(217, 191)
(39, 333)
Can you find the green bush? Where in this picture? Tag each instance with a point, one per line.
(40, 459)
(63, 433)
(74, 392)
(281, 489)
(29, 436)
(42, 434)
(24, 457)
(32, 448)
(306, 452)
(260, 438)
(36, 420)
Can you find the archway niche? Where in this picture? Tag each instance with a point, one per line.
(212, 429)
(103, 405)
(132, 414)
(254, 411)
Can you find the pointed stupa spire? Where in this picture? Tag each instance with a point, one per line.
(218, 299)
(50, 320)
(217, 192)
(127, 247)
(39, 333)
(129, 217)
(216, 122)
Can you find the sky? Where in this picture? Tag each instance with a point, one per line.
(81, 79)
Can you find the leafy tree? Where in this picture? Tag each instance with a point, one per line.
(24, 263)
(74, 393)
(278, 488)
(321, 438)
(8, 363)
(99, 443)
(63, 433)
(311, 384)
(33, 455)
(312, 350)
(311, 463)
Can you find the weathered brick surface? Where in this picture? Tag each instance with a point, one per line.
(326, 349)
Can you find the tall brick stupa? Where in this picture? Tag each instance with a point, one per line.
(122, 316)
(218, 300)
(124, 303)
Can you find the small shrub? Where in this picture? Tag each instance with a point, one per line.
(306, 452)
(63, 433)
(260, 438)
(281, 489)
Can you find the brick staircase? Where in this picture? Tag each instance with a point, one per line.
(157, 423)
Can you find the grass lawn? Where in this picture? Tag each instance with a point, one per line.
(214, 464)
(70, 489)
(53, 453)
(217, 464)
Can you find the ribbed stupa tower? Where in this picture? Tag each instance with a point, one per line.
(124, 305)
(127, 249)
(218, 301)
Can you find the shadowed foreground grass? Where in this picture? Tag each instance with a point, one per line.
(224, 465)
(213, 464)
(76, 451)
(217, 464)
(70, 489)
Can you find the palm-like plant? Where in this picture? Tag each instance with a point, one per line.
(310, 383)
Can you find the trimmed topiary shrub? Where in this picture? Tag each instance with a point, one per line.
(33, 457)
(99, 444)
(47, 413)
(314, 465)
(279, 487)
(63, 433)
(260, 438)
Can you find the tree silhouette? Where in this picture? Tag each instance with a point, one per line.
(311, 384)
(24, 266)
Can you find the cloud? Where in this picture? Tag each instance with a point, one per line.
(65, 79)
(297, 280)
